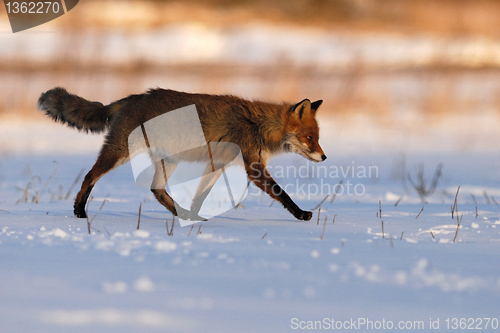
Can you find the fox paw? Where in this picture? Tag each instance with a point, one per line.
(80, 213)
(304, 215)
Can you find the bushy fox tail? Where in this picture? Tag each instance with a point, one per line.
(75, 111)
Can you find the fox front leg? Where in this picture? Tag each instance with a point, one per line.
(260, 177)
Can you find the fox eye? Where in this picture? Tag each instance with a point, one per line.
(309, 138)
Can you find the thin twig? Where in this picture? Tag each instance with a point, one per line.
(199, 230)
(432, 235)
(35, 197)
(473, 198)
(324, 228)
(319, 205)
(383, 235)
(49, 179)
(402, 235)
(380, 208)
(107, 231)
(139, 218)
(264, 235)
(459, 220)
(24, 198)
(455, 204)
(420, 213)
(399, 200)
(189, 233)
(486, 198)
(87, 214)
(77, 179)
(171, 232)
(336, 190)
(319, 212)
(103, 202)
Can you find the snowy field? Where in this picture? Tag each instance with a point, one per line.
(378, 265)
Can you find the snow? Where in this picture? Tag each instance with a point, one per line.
(256, 268)
(374, 252)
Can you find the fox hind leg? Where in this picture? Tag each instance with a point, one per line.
(108, 160)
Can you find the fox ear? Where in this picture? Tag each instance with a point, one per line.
(298, 110)
(315, 106)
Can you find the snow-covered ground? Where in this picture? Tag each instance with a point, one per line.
(255, 269)
(377, 258)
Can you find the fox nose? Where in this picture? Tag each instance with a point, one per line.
(323, 157)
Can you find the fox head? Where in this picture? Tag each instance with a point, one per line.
(302, 132)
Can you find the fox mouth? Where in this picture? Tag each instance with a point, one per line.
(311, 157)
(293, 148)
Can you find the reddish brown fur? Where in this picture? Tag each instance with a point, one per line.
(260, 129)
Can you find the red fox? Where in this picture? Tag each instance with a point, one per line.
(260, 129)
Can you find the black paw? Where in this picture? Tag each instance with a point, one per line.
(80, 213)
(304, 215)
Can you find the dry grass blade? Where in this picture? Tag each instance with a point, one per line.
(459, 222)
(139, 218)
(383, 235)
(189, 233)
(199, 230)
(49, 179)
(77, 179)
(324, 228)
(4, 211)
(171, 231)
(474, 199)
(435, 179)
(89, 222)
(399, 200)
(35, 196)
(264, 235)
(104, 201)
(420, 213)
(402, 235)
(319, 212)
(476, 212)
(432, 235)
(380, 209)
(319, 205)
(242, 196)
(486, 198)
(336, 190)
(24, 198)
(421, 186)
(454, 207)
